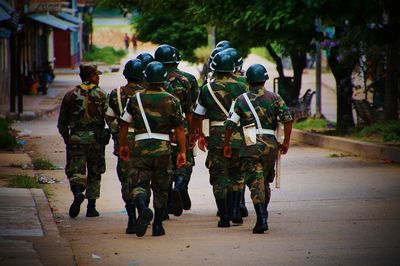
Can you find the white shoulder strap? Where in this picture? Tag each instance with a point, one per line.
(253, 111)
(216, 100)
(146, 123)
(119, 100)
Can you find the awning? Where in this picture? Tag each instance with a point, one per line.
(4, 15)
(54, 22)
(70, 18)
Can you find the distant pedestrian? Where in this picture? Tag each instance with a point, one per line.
(134, 43)
(126, 41)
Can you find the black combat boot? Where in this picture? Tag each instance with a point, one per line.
(158, 229)
(243, 210)
(262, 216)
(223, 213)
(236, 217)
(91, 208)
(176, 200)
(131, 210)
(75, 207)
(186, 202)
(145, 216)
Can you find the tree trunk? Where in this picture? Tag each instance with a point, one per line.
(277, 59)
(299, 63)
(344, 91)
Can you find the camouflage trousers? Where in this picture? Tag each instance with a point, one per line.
(258, 173)
(154, 170)
(85, 165)
(185, 171)
(224, 172)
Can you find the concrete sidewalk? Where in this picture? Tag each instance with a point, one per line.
(28, 233)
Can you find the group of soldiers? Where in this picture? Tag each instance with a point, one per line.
(155, 121)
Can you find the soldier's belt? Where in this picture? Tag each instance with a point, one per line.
(262, 131)
(217, 123)
(152, 135)
(131, 129)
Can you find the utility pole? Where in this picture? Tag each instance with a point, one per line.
(318, 71)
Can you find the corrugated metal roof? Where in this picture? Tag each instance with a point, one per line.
(54, 22)
(70, 18)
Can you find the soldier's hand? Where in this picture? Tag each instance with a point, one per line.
(202, 142)
(227, 151)
(284, 147)
(192, 140)
(124, 152)
(181, 160)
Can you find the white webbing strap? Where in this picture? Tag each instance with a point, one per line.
(146, 123)
(216, 100)
(121, 110)
(253, 111)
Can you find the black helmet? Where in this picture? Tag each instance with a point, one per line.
(146, 58)
(224, 43)
(134, 69)
(165, 54)
(222, 62)
(237, 59)
(155, 73)
(178, 55)
(256, 74)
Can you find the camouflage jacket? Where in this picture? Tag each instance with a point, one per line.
(240, 78)
(194, 87)
(226, 90)
(269, 107)
(114, 112)
(181, 89)
(163, 113)
(82, 114)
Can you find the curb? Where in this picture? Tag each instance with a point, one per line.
(358, 148)
(30, 115)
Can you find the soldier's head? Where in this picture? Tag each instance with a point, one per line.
(155, 74)
(237, 59)
(224, 44)
(256, 75)
(222, 64)
(89, 73)
(166, 55)
(146, 58)
(133, 71)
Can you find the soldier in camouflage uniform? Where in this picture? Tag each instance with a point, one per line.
(118, 99)
(153, 114)
(81, 124)
(223, 171)
(238, 75)
(258, 160)
(167, 55)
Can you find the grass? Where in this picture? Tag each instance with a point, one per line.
(107, 55)
(43, 164)
(314, 124)
(7, 138)
(380, 132)
(263, 52)
(24, 181)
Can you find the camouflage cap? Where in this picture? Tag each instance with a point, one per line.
(89, 69)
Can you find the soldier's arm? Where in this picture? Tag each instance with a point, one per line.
(181, 138)
(111, 116)
(286, 118)
(123, 132)
(63, 119)
(230, 125)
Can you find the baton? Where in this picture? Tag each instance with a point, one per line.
(278, 161)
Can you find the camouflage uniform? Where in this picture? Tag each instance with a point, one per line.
(181, 89)
(81, 123)
(222, 170)
(152, 157)
(258, 160)
(124, 168)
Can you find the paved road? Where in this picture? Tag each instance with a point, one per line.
(329, 211)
